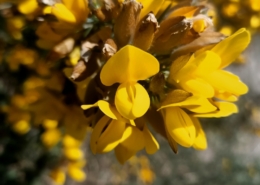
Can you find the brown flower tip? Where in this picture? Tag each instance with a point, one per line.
(145, 33)
(126, 22)
(157, 84)
(80, 71)
(110, 48)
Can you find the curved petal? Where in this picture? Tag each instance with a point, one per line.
(28, 7)
(123, 153)
(105, 107)
(230, 48)
(129, 64)
(76, 173)
(224, 109)
(224, 81)
(200, 142)
(133, 139)
(180, 126)
(132, 100)
(196, 104)
(151, 145)
(79, 8)
(73, 153)
(198, 86)
(226, 96)
(206, 63)
(63, 13)
(106, 140)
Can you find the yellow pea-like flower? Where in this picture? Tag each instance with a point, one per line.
(126, 67)
(180, 126)
(203, 74)
(106, 135)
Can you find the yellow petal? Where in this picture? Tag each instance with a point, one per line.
(196, 104)
(230, 48)
(200, 142)
(151, 145)
(224, 81)
(133, 139)
(198, 86)
(58, 176)
(28, 6)
(106, 140)
(123, 153)
(105, 107)
(50, 124)
(150, 6)
(79, 8)
(225, 109)
(51, 137)
(187, 11)
(69, 141)
(206, 63)
(76, 173)
(180, 126)
(63, 13)
(129, 64)
(73, 153)
(21, 127)
(226, 96)
(132, 100)
(47, 10)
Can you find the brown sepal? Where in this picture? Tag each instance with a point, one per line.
(145, 33)
(110, 48)
(126, 22)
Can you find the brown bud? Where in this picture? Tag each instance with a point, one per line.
(207, 38)
(176, 96)
(80, 71)
(84, 68)
(173, 33)
(126, 22)
(157, 84)
(64, 47)
(112, 8)
(145, 33)
(110, 48)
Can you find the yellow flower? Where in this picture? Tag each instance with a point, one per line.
(73, 12)
(183, 128)
(76, 173)
(50, 124)
(51, 137)
(106, 140)
(69, 141)
(203, 74)
(114, 132)
(58, 176)
(28, 6)
(21, 127)
(73, 153)
(127, 67)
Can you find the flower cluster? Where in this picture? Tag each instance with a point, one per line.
(119, 69)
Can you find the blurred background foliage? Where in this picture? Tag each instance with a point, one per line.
(28, 155)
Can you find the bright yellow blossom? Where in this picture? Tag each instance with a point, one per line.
(131, 99)
(203, 74)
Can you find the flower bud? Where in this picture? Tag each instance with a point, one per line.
(126, 22)
(145, 33)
